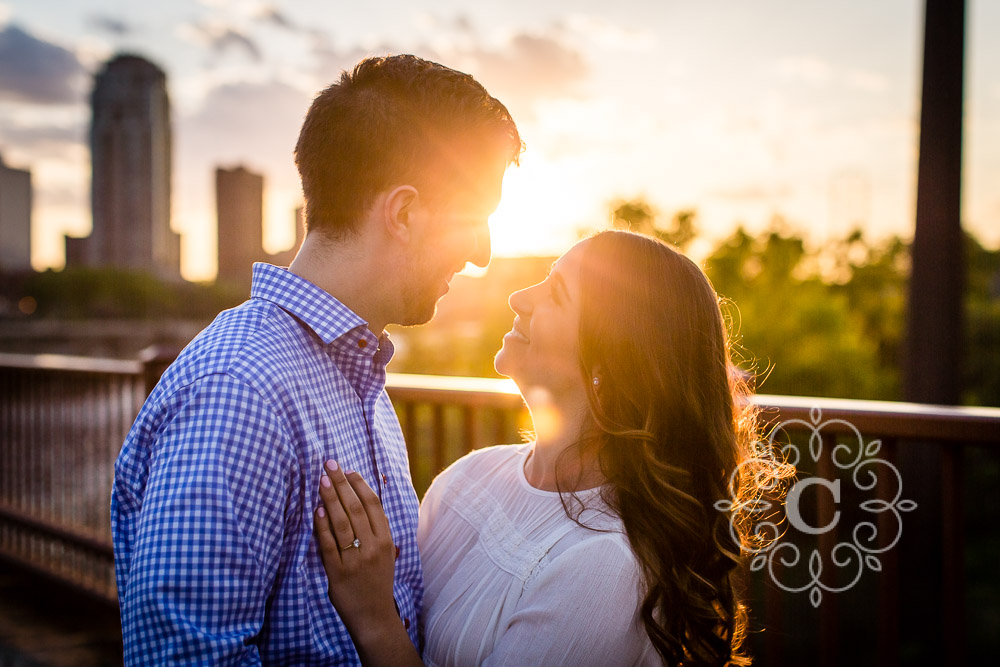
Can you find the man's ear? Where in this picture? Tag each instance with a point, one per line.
(398, 207)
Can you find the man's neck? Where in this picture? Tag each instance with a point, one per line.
(347, 270)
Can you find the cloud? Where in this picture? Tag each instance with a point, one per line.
(527, 69)
(609, 36)
(463, 23)
(33, 70)
(272, 15)
(231, 38)
(38, 136)
(521, 69)
(330, 59)
(253, 122)
(110, 25)
(221, 38)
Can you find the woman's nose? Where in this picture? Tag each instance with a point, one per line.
(520, 301)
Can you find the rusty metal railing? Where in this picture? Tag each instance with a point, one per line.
(63, 419)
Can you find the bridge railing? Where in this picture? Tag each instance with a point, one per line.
(63, 419)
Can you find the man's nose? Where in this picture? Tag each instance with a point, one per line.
(481, 253)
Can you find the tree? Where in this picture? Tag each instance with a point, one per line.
(637, 215)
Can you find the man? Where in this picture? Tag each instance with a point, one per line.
(401, 163)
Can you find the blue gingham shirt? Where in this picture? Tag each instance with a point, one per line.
(215, 486)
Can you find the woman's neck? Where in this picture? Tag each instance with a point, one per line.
(559, 426)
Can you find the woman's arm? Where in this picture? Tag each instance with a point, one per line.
(359, 557)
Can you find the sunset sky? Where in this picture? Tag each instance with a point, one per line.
(744, 111)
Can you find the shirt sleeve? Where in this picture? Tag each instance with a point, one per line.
(207, 538)
(580, 610)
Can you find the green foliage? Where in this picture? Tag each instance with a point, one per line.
(981, 368)
(105, 293)
(638, 216)
(798, 334)
(831, 322)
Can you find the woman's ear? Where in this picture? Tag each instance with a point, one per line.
(397, 211)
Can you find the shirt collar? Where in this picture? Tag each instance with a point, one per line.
(316, 308)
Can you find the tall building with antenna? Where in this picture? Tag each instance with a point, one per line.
(130, 145)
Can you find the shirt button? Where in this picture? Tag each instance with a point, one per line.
(397, 552)
(385, 480)
(362, 343)
(406, 623)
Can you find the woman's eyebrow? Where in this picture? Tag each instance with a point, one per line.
(560, 284)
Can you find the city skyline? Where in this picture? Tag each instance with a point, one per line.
(740, 113)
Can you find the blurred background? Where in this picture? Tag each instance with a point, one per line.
(146, 162)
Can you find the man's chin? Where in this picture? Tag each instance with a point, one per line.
(423, 316)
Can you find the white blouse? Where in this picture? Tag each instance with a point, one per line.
(510, 579)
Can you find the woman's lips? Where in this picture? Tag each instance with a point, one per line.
(515, 334)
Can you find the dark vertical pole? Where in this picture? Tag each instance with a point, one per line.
(930, 615)
(934, 330)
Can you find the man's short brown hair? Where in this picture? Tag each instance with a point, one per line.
(397, 120)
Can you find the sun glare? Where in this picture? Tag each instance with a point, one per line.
(538, 213)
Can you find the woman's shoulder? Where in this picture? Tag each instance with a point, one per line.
(601, 538)
(487, 460)
(484, 463)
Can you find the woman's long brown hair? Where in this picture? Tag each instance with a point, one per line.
(671, 427)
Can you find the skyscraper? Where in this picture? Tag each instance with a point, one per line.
(130, 146)
(15, 219)
(239, 206)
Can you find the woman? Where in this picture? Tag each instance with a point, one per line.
(599, 542)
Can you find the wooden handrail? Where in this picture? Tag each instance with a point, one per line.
(70, 363)
(946, 424)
